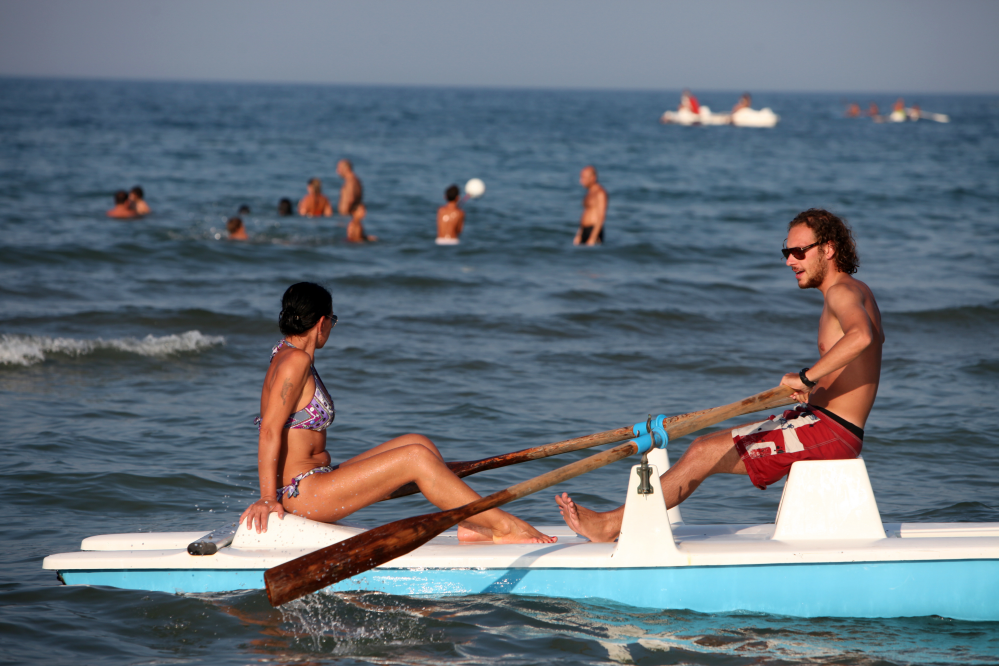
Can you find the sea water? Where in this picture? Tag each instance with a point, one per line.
(132, 352)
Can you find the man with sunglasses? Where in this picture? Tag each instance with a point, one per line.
(836, 392)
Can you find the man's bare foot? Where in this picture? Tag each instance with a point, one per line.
(592, 525)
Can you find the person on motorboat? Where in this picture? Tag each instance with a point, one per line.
(853, 110)
(898, 113)
(689, 102)
(295, 469)
(836, 393)
(745, 102)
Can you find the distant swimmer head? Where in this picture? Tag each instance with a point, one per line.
(302, 306)
(120, 197)
(243, 210)
(233, 224)
(315, 185)
(284, 207)
(138, 193)
(452, 193)
(475, 188)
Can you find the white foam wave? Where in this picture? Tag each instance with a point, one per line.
(31, 349)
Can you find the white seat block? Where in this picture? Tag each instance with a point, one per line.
(828, 499)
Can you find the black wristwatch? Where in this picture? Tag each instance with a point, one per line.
(805, 380)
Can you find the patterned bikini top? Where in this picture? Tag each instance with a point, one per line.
(319, 413)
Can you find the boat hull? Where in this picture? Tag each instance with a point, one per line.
(959, 589)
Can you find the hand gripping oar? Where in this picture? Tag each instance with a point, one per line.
(326, 566)
(758, 402)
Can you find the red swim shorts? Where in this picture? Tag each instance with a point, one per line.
(769, 447)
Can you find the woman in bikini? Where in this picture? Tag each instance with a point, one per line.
(295, 469)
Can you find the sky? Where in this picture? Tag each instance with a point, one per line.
(769, 45)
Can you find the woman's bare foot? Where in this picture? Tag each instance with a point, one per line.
(592, 525)
(514, 530)
(472, 533)
(520, 532)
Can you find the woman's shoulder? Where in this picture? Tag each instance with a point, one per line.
(288, 359)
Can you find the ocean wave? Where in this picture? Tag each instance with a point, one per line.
(31, 349)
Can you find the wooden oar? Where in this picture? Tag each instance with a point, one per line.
(327, 566)
(758, 402)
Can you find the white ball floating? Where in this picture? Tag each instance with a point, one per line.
(475, 188)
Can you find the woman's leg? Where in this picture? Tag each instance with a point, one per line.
(365, 479)
(394, 443)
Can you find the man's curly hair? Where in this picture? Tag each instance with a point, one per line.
(830, 229)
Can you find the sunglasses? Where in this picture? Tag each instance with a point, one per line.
(332, 318)
(798, 252)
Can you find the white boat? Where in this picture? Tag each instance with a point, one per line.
(742, 118)
(826, 554)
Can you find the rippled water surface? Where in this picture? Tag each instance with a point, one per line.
(131, 353)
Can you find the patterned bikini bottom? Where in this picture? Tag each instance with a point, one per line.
(292, 488)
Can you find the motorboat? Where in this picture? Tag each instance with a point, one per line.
(827, 554)
(745, 117)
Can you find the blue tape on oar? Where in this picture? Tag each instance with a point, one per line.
(644, 443)
(661, 437)
(659, 432)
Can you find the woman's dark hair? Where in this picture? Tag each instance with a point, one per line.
(302, 306)
(830, 229)
(452, 193)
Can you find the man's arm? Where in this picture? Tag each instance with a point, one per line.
(599, 213)
(846, 305)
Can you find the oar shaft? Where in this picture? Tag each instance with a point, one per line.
(775, 397)
(469, 467)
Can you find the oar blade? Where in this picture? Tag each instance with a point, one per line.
(332, 564)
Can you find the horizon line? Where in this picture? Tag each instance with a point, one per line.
(460, 86)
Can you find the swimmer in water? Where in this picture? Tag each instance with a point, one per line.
(284, 207)
(137, 200)
(236, 229)
(591, 223)
(352, 203)
(314, 204)
(122, 207)
(450, 218)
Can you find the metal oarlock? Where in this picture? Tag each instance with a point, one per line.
(653, 428)
(644, 476)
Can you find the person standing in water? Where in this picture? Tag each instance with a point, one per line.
(836, 393)
(352, 203)
(296, 471)
(450, 218)
(591, 223)
(314, 204)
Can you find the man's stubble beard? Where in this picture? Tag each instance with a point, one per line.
(815, 280)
